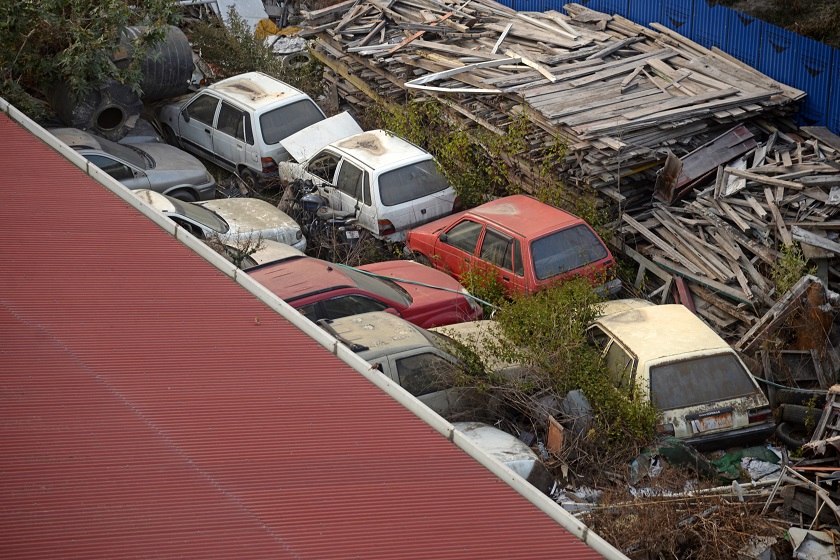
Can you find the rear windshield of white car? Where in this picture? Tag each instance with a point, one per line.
(380, 286)
(699, 381)
(285, 121)
(200, 214)
(127, 153)
(566, 250)
(410, 183)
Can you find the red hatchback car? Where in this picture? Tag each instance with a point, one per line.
(529, 244)
(323, 290)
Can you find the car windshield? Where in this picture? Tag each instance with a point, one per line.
(706, 379)
(411, 182)
(200, 214)
(380, 286)
(566, 250)
(285, 121)
(131, 155)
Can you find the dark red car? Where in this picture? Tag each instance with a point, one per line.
(323, 290)
(528, 243)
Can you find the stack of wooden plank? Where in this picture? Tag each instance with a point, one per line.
(728, 240)
(615, 92)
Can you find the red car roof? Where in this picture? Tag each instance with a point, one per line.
(297, 276)
(519, 213)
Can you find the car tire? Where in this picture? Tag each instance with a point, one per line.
(799, 397)
(800, 415)
(420, 258)
(183, 195)
(169, 136)
(250, 179)
(791, 435)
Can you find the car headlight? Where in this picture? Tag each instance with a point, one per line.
(298, 235)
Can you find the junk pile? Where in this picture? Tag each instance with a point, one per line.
(618, 94)
(112, 109)
(753, 202)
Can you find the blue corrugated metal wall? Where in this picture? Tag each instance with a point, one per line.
(794, 60)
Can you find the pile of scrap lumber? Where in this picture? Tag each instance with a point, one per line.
(749, 199)
(618, 94)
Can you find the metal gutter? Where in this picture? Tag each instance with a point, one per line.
(520, 485)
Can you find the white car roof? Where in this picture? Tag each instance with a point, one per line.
(662, 331)
(155, 200)
(381, 332)
(256, 90)
(380, 149)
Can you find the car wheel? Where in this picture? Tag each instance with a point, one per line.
(800, 415)
(183, 195)
(169, 136)
(422, 259)
(791, 435)
(250, 179)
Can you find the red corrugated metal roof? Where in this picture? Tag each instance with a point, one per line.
(145, 412)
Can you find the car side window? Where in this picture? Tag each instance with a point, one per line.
(423, 373)
(112, 167)
(464, 235)
(323, 166)
(203, 109)
(343, 306)
(353, 181)
(231, 121)
(496, 248)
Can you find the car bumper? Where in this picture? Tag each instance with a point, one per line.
(731, 438)
(206, 191)
(300, 245)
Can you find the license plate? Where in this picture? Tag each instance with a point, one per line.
(352, 234)
(716, 422)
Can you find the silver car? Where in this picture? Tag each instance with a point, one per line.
(230, 221)
(158, 167)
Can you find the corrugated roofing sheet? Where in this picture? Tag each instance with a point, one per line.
(152, 407)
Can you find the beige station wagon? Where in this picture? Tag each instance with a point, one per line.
(704, 392)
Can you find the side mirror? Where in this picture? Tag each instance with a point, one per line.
(443, 237)
(185, 114)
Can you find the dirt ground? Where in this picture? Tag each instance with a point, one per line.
(816, 19)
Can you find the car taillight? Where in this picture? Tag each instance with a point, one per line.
(386, 227)
(268, 165)
(667, 429)
(759, 415)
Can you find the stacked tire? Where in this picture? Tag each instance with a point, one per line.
(800, 412)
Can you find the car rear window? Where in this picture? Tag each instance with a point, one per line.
(411, 182)
(698, 381)
(282, 122)
(200, 214)
(130, 154)
(380, 286)
(566, 250)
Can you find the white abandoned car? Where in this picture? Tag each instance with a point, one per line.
(703, 391)
(230, 221)
(388, 183)
(238, 123)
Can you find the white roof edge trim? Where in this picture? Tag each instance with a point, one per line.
(519, 484)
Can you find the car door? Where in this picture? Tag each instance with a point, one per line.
(503, 253)
(126, 174)
(195, 125)
(232, 135)
(455, 248)
(352, 194)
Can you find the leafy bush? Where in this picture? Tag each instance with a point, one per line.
(789, 269)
